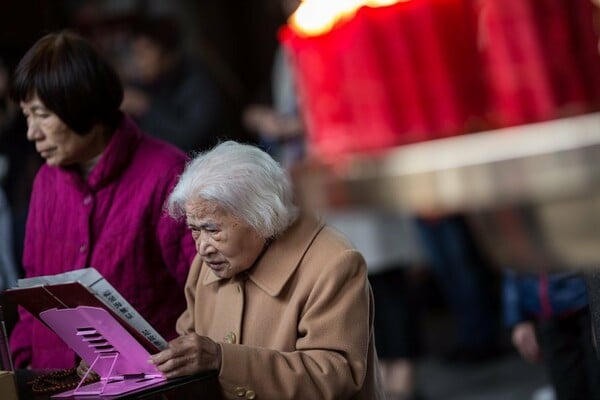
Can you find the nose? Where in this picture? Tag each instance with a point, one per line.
(203, 246)
(33, 131)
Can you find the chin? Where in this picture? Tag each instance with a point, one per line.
(60, 162)
(223, 274)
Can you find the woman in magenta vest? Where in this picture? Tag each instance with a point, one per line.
(98, 200)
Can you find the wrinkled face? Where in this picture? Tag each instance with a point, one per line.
(53, 139)
(227, 245)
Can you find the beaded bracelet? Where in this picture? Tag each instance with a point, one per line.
(59, 381)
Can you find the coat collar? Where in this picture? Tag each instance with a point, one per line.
(117, 154)
(279, 261)
(115, 157)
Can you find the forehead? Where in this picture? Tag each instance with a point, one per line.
(31, 102)
(205, 210)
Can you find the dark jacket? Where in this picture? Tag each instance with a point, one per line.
(541, 296)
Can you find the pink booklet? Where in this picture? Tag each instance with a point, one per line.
(108, 348)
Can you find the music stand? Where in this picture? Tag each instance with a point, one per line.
(106, 346)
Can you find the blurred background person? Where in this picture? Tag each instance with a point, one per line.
(98, 199)
(19, 161)
(393, 253)
(279, 126)
(550, 323)
(7, 108)
(468, 285)
(10, 269)
(171, 95)
(8, 266)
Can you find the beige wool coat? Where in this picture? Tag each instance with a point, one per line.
(297, 325)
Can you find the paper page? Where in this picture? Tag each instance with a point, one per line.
(103, 290)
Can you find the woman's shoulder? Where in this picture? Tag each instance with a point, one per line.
(332, 248)
(160, 155)
(333, 239)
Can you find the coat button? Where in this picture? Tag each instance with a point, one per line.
(240, 391)
(230, 338)
(87, 200)
(250, 395)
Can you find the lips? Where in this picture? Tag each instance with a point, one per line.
(215, 265)
(46, 152)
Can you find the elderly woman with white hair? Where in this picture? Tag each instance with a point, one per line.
(277, 301)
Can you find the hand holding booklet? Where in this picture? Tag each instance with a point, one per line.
(96, 321)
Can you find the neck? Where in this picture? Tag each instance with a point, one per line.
(85, 168)
(101, 138)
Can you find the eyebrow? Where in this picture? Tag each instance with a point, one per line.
(36, 107)
(203, 225)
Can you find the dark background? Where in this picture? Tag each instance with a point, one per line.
(236, 37)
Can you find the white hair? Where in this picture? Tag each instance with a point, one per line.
(243, 180)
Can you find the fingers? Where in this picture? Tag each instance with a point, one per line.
(176, 348)
(525, 341)
(187, 355)
(82, 369)
(179, 366)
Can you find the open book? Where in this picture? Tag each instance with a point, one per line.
(84, 287)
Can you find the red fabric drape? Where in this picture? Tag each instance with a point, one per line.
(426, 69)
(541, 59)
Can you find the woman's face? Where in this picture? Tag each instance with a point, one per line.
(227, 245)
(54, 140)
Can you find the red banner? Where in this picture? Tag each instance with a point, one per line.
(426, 69)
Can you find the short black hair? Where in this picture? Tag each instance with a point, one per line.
(72, 79)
